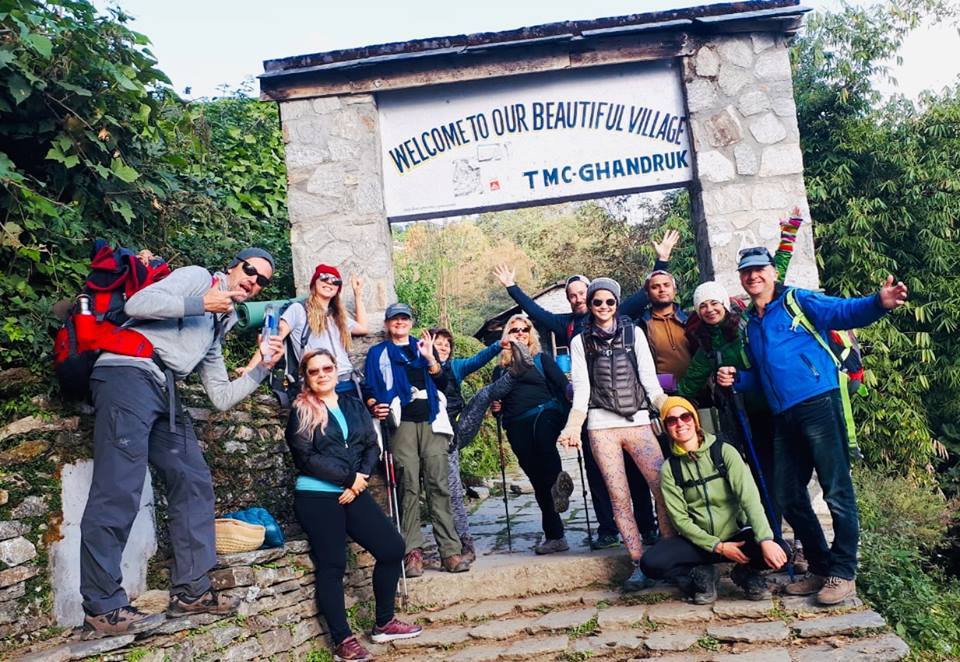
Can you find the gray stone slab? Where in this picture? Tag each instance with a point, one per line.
(500, 629)
(620, 617)
(259, 556)
(16, 551)
(879, 649)
(562, 620)
(11, 529)
(537, 648)
(606, 595)
(742, 608)
(808, 605)
(674, 613)
(13, 592)
(472, 654)
(671, 641)
(186, 623)
(607, 642)
(842, 624)
(761, 655)
(750, 632)
(443, 636)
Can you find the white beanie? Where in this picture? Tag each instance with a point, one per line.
(710, 291)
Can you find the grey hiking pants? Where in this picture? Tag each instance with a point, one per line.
(131, 429)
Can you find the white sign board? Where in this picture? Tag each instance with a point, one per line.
(533, 139)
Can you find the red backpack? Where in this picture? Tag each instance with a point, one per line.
(95, 322)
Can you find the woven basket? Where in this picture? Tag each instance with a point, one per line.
(234, 536)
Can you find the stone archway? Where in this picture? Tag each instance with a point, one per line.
(345, 115)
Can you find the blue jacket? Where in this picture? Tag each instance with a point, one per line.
(789, 363)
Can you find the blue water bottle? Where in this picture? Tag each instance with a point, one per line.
(270, 328)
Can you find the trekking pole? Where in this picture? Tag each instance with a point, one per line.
(583, 479)
(393, 501)
(503, 478)
(741, 410)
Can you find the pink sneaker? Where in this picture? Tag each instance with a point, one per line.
(350, 650)
(394, 629)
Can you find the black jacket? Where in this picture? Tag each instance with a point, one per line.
(327, 455)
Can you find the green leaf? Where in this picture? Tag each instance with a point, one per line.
(6, 57)
(76, 89)
(123, 172)
(19, 88)
(123, 208)
(40, 44)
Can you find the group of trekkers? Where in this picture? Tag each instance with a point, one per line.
(682, 494)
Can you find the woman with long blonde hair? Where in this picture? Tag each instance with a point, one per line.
(322, 322)
(335, 451)
(533, 413)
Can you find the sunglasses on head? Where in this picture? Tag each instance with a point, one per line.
(325, 369)
(599, 302)
(685, 417)
(330, 278)
(518, 329)
(251, 270)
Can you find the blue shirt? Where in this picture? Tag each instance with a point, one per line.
(311, 484)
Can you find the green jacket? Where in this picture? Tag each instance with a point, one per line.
(706, 515)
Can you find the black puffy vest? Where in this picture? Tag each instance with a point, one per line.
(612, 366)
(455, 403)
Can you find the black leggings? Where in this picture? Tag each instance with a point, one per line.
(534, 442)
(675, 557)
(328, 524)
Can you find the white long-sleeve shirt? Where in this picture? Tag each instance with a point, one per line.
(601, 419)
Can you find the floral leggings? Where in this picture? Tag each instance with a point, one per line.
(638, 441)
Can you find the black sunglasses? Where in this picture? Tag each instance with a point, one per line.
(251, 270)
(518, 329)
(599, 302)
(330, 278)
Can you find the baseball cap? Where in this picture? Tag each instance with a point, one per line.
(756, 256)
(395, 309)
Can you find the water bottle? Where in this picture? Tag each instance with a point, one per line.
(270, 328)
(84, 301)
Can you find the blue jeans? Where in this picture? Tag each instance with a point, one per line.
(811, 435)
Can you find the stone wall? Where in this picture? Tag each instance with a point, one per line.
(748, 164)
(334, 193)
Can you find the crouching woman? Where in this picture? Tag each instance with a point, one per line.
(714, 504)
(335, 450)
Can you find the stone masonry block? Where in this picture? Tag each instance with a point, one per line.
(732, 78)
(701, 95)
(737, 50)
(748, 163)
(715, 167)
(773, 64)
(752, 103)
(726, 199)
(16, 551)
(767, 129)
(707, 62)
(723, 128)
(762, 41)
(12, 529)
(781, 160)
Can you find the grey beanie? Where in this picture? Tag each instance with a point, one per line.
(608, 284)
(248, 253)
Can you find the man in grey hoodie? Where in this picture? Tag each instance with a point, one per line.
(139, 419)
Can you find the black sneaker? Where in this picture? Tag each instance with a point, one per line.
(120, 621)
(703, 584)
(605, 542)
(522, 361)
(561, 491)
(751, 581)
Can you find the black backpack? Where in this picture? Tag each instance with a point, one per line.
(716, 454)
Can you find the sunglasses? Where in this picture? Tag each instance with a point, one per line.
(520, 329)
(325, 369)
(330, 278)
(599, 302)
(251, 270)
(685, 417)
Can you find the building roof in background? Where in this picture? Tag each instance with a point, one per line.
(493, 325)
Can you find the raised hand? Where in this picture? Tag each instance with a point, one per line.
(425, 346)
(356, 284)
(221, 301)
(505, 275)
(664, 247)
(893, 296)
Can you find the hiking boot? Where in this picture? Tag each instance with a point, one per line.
(806, 585)
(552, 546)
(561, 491)
(637, 580)
(469, 553)
(122, 620)
(455, 563)
(800, 565)
(522, 361)
(703, 584)
(350, 650)
(835, 590)
(605, 542)
(394, 629)
(650, 538)
(413, 563)
(751, 581)
(210, 602)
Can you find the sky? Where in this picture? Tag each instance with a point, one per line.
(204, 44)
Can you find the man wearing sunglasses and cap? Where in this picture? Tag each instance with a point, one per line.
(139, 419)
(564, 326)
(800, 380)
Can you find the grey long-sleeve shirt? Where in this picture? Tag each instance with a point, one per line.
(170, 315)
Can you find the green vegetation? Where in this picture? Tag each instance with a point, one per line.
(585, 629)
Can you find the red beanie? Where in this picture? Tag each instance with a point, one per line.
(325, 269)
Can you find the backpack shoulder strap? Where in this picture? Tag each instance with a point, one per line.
(677, 471)
(629, 339)
(800, 318)
(716, 454)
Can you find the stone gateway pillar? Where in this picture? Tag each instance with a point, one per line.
(700, 97)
